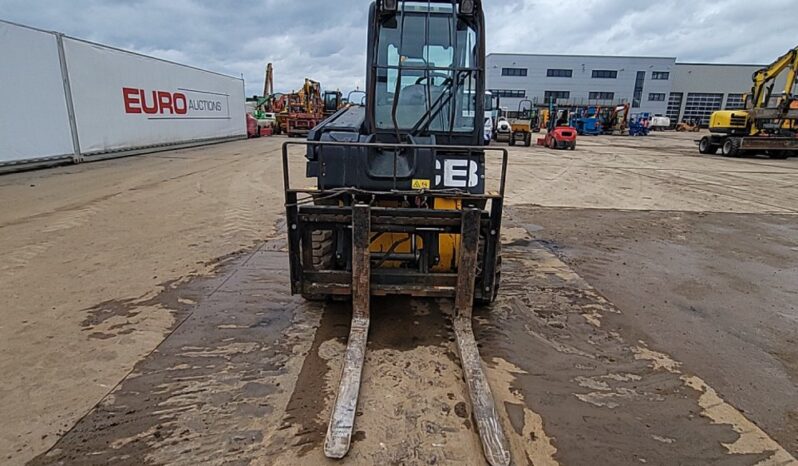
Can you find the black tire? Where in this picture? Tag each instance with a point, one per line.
(779, 154)
(731, 147)
(552, 143)
(323, 256)
(512, 139)
(528, 139)
(573, 146)
(483, 300)
(706, 146)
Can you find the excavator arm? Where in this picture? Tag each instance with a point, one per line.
(765, 76)
(268, 83)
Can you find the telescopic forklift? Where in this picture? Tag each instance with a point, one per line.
(761, 127)
(401, 203)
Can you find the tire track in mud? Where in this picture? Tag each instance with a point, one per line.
(250, 376)
(116, 235)
(211, 391)
(73, 218)
(243, 218)
(20, 257)
(57, 223)
(412, 407)
(600, 396)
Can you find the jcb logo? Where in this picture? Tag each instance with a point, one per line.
(457, 173)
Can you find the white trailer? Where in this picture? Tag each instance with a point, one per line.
(69, 99)
(34, 118)
(660, 123)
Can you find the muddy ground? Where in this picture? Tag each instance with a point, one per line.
(718, 290)
(648, 315)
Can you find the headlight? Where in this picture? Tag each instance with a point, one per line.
(390, 5)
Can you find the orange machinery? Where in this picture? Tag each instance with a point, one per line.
(300, 111)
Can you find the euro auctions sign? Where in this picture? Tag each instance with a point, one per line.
(181, 104)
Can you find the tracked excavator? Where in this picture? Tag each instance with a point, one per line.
(403, 202)
(764, 126)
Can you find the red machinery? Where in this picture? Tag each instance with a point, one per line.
(559, 134)
(255, 130)
(301, 111)
(252, 126)
(296, 113)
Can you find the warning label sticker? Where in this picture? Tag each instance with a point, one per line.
(421, 184)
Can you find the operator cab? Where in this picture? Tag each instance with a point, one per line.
(425, 91)
(425, 72)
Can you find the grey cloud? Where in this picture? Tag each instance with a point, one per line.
(325, 39)
(705, 31)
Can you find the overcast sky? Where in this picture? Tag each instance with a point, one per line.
(325, 39)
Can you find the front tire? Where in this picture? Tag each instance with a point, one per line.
(323, 257)
(706, 146)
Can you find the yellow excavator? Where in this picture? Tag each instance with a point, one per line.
(764, 126)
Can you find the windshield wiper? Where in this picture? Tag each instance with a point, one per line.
(440, 103)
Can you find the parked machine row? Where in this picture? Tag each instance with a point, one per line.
(516, 127)
(293, 114)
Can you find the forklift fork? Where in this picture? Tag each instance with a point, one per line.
(342, 420)
(494, 444)
(339, 431)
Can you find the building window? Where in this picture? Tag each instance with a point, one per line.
(555, 73)
(660, 75)
(605, 74)
(674, 106)
(601, 96)
(699, 107)
(656, 97)
(508, 93)
(735, 102)
(640, 81)
(548, 96)
(514, 71)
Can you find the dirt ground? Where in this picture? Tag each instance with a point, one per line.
(648, 315)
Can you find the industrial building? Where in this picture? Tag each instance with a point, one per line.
(654, 85)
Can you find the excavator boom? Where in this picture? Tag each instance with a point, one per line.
(766, 76)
